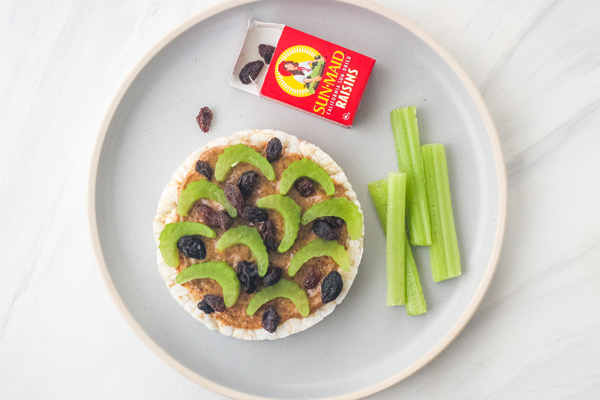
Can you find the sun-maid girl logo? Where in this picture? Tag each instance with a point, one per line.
(298, 70)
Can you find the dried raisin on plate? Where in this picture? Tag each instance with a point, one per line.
(305, 187)
(208, 215)
(270, 319)
(325, 231)
(254, 214)
(247, 182)
(274, 149)
(331, 287)
(192, 246)
(203, 168)
(247, 273)
(215, 302)
(272, 276)
(250, 71)
(234, 196)
(335, 222)
(204, 119)
(225, 221)
(266, 51)
(312, 277)
(269, 235)
(203, 306)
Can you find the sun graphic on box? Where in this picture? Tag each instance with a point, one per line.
(298, 70)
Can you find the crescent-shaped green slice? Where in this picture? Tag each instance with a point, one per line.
(220, 272)
(290, 211)
(305, 168)
(202, 189)
(338, 207)
(318, 248)
(173, 232)
(283, 288)
(250, 237)
(241, 153)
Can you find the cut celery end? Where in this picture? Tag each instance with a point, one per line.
(444, 254)
(379, 194)
(396, 289)
(408, 151)
(415, 300)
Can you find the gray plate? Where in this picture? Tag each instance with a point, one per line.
(363, 346)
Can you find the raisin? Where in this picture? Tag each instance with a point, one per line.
(202, 306)
(225, 221)
(269, 236)
(247, 182)
(208, 215)
(204, 119)
(273, 151)
(266, 52)
(203, 168)
(305, 187)
(331, 287)
(254, 214)
(335, 222)
(192, 247)
(215, 302)
(233, 196)
(270, 319)
(312, 277)
(323, 230)
(247, 273)
(250, 71)
(272, 276)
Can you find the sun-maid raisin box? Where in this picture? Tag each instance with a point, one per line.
(302, 71)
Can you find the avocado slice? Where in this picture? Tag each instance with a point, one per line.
(173, 232)
(283, 288)
(202, 189)
(290, 211)
(338, 207)
(241, 153)
(250, 237)
(305, 168)
(318, 248)
(219, 271)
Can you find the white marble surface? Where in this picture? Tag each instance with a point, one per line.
(537, 333)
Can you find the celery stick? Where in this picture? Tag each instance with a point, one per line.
(415, 301)
(379, 193)
(408, 152)
(396, 290)
(444, 255)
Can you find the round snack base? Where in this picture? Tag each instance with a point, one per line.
(166, 213)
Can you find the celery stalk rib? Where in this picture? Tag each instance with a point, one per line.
(444, 254)
(415, 300)
(408, 152)
(396, 290)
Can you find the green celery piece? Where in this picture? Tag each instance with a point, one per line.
(283, 288)
(173, 232)
(307, 169)
(220, 272)
(408, 152)
(290, 211)
(337, 207)
(444, 254)
(317, 248)
(202, 189)
(394, 250)
(379, 194)
(250, 237)
(241, 153)
(415, 300)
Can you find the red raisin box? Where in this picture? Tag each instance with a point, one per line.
(302, 71)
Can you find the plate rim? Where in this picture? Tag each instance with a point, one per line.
(501, 176)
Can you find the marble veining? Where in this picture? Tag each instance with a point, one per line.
(537, 332)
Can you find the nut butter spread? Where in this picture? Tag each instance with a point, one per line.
(235, 315)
